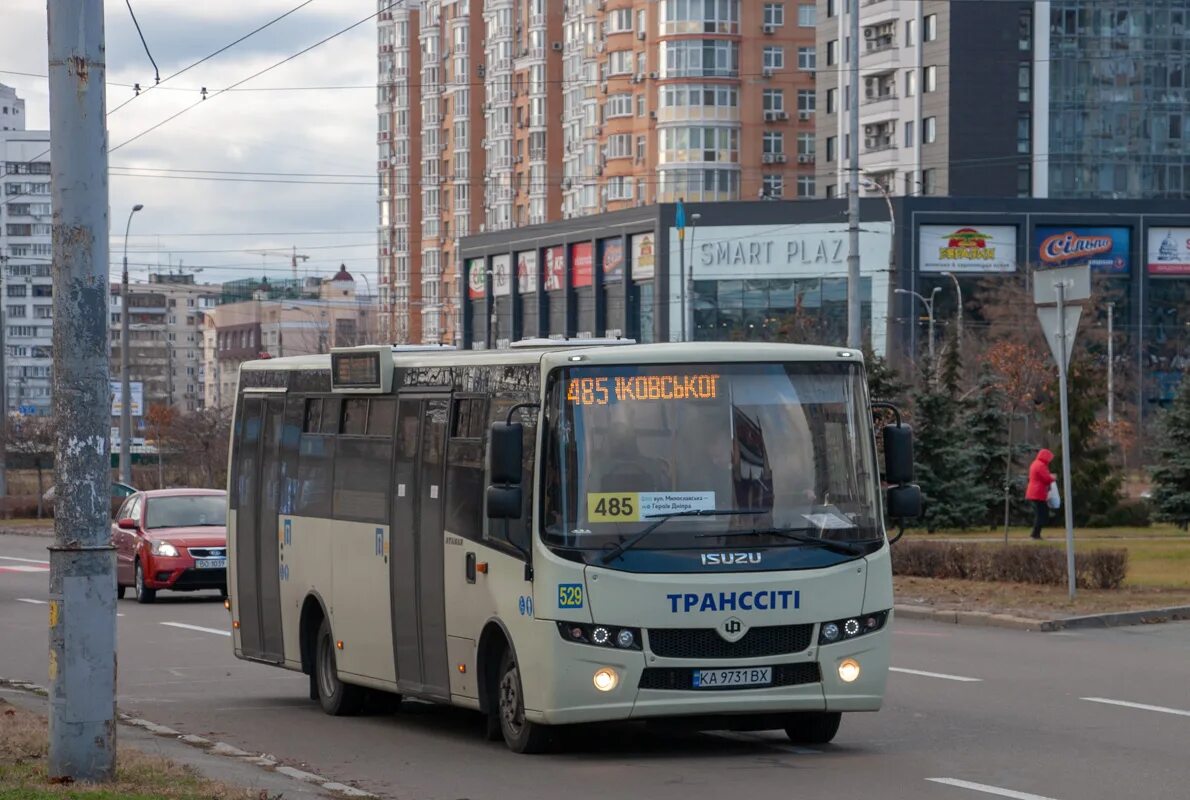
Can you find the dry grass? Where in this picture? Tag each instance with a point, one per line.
(24, 746)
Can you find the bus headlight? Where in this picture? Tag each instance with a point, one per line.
(605, 679)
(842, 629)
(849, 670)
(600, 635)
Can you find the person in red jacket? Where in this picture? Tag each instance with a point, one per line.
(1040, 479)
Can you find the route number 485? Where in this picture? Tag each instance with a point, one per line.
(615, 506)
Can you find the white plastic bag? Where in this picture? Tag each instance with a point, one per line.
(1054, 500)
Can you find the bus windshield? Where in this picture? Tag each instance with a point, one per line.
(789, 445)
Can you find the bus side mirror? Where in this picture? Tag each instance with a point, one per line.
(505, 453)
(898, 454)
(904, 502)
(504, 502)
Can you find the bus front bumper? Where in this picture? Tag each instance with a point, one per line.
(811, 681)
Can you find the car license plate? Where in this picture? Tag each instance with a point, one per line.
(210, 563)
(719, 678)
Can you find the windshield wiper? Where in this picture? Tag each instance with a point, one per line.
(793, 534)
(628, 544)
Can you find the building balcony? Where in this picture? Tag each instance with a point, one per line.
(879, 55)
(698, 114)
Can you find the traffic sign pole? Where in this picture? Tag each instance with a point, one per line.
(1063, 354)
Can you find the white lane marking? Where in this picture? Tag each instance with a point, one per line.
(986, 789)
(24, 560)
(1162, 709)
(31, 601)
(198, 628)
(20, 568)
(942, 675)
(776, 745)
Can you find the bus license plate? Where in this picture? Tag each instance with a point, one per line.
(210, 563)
(717, 678)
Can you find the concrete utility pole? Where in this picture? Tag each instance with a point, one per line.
(82, 725)
(125, 384)
(854, 304)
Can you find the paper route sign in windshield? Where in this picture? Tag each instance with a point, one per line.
(637, 506)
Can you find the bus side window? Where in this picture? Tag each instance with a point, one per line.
(313, 415)
(464, 468)
(382, 417)
(330, 415)
(355, 416)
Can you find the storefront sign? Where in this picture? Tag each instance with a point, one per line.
(1169, 251)
(951, 248)
(136, 391)
(1105, 249)
(476, 279)
(644, 256)
(526, 271)
(613, 260)
(502, 275)
(555, 269)
(581, 264)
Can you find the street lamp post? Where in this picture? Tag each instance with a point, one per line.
(688, 312)
(125, 384)
(958, 290)
(929, 304)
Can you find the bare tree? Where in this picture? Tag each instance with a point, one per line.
(32, 440)
(203, 437)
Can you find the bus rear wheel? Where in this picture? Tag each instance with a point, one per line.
(336, 698)
(815, 727)
(521, 735)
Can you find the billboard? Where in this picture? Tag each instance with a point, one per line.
(958, 249)
(1169, 251)
(526, 271)
(613, 260)
(502, 275)
(555, 269)
(644, 256)
(476, 279)
(582, 264)
(1107, 250)
(136, 389)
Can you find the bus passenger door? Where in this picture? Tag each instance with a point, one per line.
(418, 605)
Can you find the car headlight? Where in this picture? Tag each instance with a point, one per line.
(843, 629)
(164, 549)
(609, 636)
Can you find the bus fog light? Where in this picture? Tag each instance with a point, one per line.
(625, 638)
(851, 627)
(601, 636)
(830, 632)
(606, 679)
(849, 670)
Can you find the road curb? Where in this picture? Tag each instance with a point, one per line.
(981, 618)
(1148, 616)
(221, 749)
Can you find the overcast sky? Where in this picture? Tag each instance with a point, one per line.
(311, 131)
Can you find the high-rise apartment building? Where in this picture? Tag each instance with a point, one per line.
(505, 113)
(26, 279)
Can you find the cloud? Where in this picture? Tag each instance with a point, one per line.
(243, 131)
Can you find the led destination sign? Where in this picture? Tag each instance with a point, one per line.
(356, 370)
(634, 388)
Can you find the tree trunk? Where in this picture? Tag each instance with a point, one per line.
(40, 489)
(1008, 480)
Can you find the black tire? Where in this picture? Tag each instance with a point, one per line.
(336, 698)
(521, 735)
(143, 595)
(815, 727)
(120, 590)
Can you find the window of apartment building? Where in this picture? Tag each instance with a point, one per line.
(43, 312)
(1024, 181)
(774, 99)
(774, 143)
(774, 186)
(1024, 77)
(640, 105)
(929, 130)
(619, 146)
(930, 79)
(910, 82)
(642, 62)
(695, 94)
(16, 312)
(832, 8)
(1025, 31)
(1022, 134)
(701, 57)
(805, 144)
(929, 181)
(620, 187)
(16, 290)
(697, 16)
(619, 21)
(805, 186)
(807, 16)
(619, 62)
(930, 28)
(641, 147)
(805, 58)
(699, 144)
(805, 101)
(832, 52)
(910, 132)
(910, 32)
(774, 14)
(774, 57)
(618, 105)
(832, 101)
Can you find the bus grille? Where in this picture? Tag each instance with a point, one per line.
(682, 678)
(776, 640)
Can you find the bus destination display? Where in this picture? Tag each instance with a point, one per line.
(357, 370)
(635, 388)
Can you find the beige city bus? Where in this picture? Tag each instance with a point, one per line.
(568, 532)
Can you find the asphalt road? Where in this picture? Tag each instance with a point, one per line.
(970, 713)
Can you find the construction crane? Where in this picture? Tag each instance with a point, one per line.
(294, 256)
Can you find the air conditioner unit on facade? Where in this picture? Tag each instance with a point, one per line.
(556, 46)
(652, 76)
(803, 115)
(766, 72)
(869, 33)
(768, 30)
(641, 35)
(767, 158)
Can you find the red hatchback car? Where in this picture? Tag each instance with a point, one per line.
(171, 539)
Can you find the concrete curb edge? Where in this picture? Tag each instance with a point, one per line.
(1148, 616)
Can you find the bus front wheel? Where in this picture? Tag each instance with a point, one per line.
(521, 735)
(336, 698)
(815, 727)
